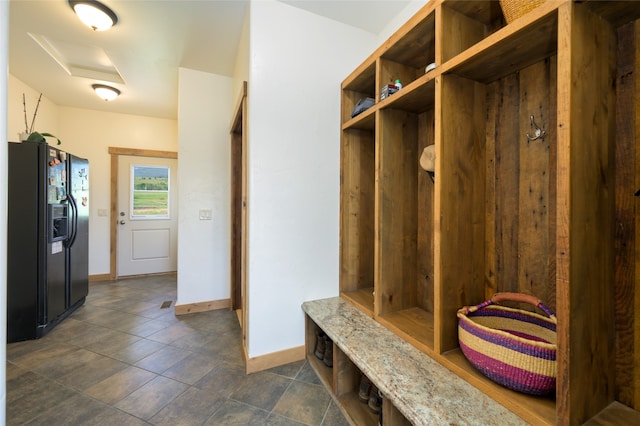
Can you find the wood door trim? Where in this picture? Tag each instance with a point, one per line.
(238, 133)
(115, 152)
(236, 123)
(142, 152)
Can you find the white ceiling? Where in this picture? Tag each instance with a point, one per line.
(142, 53)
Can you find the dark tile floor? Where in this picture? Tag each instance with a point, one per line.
(121, 360)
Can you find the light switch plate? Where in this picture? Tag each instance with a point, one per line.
(205, 214)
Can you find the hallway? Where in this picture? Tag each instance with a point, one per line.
(123, 359)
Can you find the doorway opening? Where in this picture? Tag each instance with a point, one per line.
(239, 210)
(116, 220)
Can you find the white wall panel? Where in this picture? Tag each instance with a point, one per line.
(297, 62)
(204, 116)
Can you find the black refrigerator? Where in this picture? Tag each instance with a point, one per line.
(47, 238)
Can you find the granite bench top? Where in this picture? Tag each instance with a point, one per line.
(423, 390)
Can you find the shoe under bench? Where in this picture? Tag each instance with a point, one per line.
(415, 388)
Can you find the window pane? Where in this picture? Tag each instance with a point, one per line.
(150, 192)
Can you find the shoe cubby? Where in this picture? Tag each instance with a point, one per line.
(342, 379)
(552, 216)
(324, 372)
(348, 384)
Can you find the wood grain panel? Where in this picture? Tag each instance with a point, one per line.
(142, 152)
(625, 237)
(563, 184)
(397, 209)
(586, 161)
(486, 11)
(533, 221)
(491, 258)
(424, 262)
(462, 221)
(414, 325)
(636, 306)
(362, 79)
(462, 32)
(615, 414)
(361, 299)
(518, 178)
(416, 47)
(506, 133)
(357, 192)
(391, 71)
(550, 296)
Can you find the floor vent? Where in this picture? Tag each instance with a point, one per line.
(165, 304)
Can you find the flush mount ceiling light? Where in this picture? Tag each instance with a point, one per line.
(105, 92)
(94, 14)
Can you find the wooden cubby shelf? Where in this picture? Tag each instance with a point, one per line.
(554, 217)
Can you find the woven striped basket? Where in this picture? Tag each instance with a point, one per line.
(513, 347)
(514, 9)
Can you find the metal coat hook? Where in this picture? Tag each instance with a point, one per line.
(539, 134)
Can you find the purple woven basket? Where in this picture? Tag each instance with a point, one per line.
(513, 347)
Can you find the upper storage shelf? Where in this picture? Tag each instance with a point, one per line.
(512, 48)
(406, 58)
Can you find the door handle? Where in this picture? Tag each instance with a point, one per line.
(122, 222)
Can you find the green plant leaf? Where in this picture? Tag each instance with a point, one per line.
(40, 137)
(36, 137)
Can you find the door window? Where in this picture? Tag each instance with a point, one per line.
(149, 192)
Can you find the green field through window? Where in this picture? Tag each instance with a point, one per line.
(150, 192)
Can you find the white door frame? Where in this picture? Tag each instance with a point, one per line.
(115, 152)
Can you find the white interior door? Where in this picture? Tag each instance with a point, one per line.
(147, 215)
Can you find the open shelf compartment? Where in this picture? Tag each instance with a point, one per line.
(406, 58)
(357, 221)
(347, 389)
(465, 23)
(324, 373)
(514, 47)
(497, 204)
(342, 380)
(359, 85)
(404, 267)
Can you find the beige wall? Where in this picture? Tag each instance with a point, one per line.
(89, 134)
(47, 119)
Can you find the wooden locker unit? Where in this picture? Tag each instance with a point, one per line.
(555, 217)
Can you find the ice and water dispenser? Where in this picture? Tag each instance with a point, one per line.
(59, 220)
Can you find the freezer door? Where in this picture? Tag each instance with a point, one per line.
(26, 241)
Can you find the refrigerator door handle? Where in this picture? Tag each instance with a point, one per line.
(74, 224)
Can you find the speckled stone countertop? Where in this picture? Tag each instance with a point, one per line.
(423, 390)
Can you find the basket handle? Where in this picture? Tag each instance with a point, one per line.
(523, 298)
